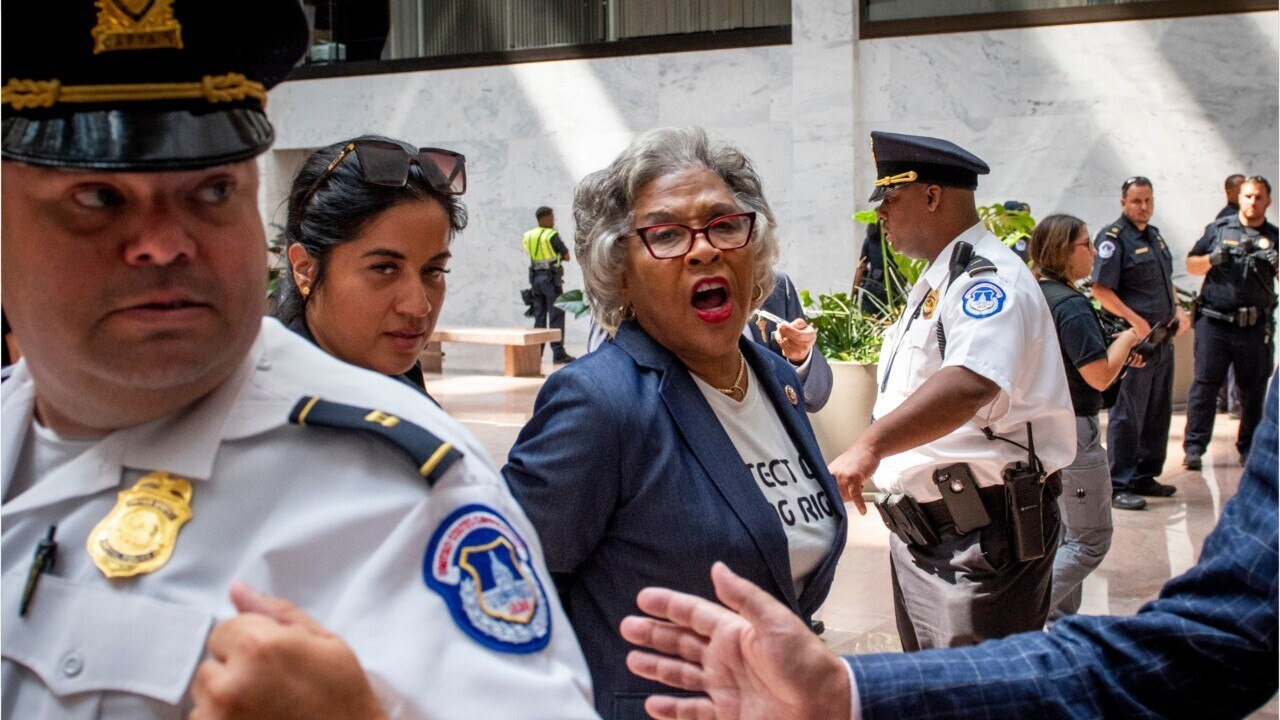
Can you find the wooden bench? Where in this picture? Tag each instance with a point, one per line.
(523, 347)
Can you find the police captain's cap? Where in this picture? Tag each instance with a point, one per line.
(902, 159)
(144, 85)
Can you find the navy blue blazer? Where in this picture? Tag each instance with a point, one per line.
(1206, 648)
(784, 302)
(631, 481)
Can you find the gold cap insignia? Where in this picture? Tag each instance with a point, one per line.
(135, 25)
(791, 395)
(930, 304)
(906, 177)
(139, 533)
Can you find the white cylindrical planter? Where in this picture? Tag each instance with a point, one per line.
(848, 412)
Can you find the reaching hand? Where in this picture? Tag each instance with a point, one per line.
(754, 660)
(852, 469)
(274, 662)
(796, 339)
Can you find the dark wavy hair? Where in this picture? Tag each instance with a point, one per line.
(1050, 245)
(342, 206)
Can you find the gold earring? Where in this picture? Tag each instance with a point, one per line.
(627, 312)
(306, 291)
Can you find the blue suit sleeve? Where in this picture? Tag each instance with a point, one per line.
(563, 469)
(817, 383)
(1206, 648)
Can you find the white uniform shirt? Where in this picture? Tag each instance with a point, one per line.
(997, 325)
(336, 521)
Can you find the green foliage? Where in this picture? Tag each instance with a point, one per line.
(276, 262)
(844, 331)
(1008, 225)
(575, 302)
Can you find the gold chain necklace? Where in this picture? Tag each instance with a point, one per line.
(737, 382)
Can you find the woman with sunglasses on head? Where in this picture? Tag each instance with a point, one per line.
(1062, 255)
(368, 230)
(681, 442)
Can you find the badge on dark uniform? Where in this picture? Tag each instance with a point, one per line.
(136, 25)
(791, 395)
(138, 535)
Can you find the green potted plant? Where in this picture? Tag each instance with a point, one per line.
(850, 339)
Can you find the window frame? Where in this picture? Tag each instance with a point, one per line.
(976, 22)
(652, 45)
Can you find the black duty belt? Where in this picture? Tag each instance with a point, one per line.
(992, 498)
(1243, 317)
(543, 265)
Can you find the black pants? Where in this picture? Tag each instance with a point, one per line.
(1220, 345)
(546, 288)
(1138, 425)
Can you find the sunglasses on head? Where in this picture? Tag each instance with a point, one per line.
(387, 164)
(1135, 180)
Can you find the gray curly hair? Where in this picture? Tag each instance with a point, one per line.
(604, 205)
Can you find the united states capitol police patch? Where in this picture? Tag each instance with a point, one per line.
(1106, 249)
(983, 299)
(482, 568)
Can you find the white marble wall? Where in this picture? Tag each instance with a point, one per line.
(530, 132)
(1062, 114)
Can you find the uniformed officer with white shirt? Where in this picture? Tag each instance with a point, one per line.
(161, 440)
(968, 373)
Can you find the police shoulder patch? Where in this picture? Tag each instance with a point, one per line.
(983, 299)
(1106, 249)
(483, 569)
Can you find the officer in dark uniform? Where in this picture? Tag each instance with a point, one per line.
(1238, 258)
(1231, 186)
(881, 286)
(1133, 278)
(546, 253)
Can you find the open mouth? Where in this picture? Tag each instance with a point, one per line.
(711, 300)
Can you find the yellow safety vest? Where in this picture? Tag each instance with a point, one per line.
(537, 242)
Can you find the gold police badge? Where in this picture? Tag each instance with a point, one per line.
(138, 535)
(135, 25)
(930, 304)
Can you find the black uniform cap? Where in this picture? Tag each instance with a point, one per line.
(144, 85)
(902, 159)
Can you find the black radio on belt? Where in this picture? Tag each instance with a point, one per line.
(1024, 488)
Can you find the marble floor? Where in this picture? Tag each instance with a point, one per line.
(1147, 549)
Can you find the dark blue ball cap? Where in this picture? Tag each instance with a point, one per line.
(902, 159)
(144, 85)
